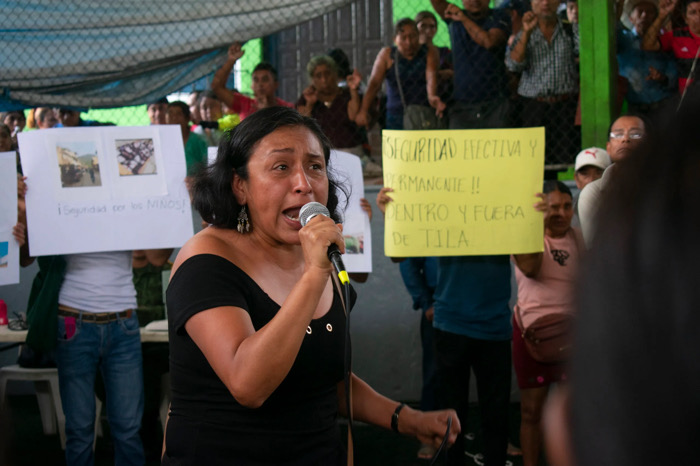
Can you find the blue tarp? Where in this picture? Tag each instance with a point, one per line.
(103, 54)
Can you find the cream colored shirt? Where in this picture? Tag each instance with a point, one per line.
(589, 204)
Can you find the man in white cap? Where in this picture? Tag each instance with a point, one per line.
(590, 165)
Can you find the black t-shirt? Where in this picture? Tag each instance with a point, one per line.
(296, 424)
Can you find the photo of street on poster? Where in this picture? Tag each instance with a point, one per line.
(78, 164)
(75, 166)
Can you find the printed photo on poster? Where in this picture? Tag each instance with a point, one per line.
(347, 170)
(137, 165)
(136, 157)
(9, 249)
(78, 164)
(4, 253)
(354, 244)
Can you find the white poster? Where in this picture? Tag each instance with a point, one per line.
(347, 169)
(211, 154)
(105, 188)
(9, 249)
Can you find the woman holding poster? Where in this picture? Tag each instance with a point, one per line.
(546, 283)
(256, 323)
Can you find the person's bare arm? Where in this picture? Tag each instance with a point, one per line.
(428, 427)
(353, 81)
(382, 200)
(310, 98)
(519, 52)
(253, 363)
(440, 6)
(529, 264)
(381, 64)
(431, 77)
(650, 41)
(19, 232)
(158, 257)
(218, 83)
(446, 74)
(25, 259)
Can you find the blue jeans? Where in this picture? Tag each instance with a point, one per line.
(114, 348)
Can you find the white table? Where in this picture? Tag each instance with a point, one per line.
(18, 336)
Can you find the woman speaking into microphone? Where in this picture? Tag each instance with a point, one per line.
(256, 322)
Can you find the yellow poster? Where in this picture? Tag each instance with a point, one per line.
(463, 192)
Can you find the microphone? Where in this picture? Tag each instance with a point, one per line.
(309, 211)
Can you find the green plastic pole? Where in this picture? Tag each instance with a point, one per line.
(598, 69)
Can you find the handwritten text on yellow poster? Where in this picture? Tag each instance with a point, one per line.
(463, 192)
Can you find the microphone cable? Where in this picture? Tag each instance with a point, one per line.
(347, 382)
(443, 444)
(347, 357)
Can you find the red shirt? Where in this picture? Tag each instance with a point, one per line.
(245, 106)
(684, 45)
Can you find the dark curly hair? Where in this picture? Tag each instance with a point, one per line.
(212, 194)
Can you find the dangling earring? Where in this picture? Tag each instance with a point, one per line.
(243, 223)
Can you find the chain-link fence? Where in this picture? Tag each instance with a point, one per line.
(356, 68)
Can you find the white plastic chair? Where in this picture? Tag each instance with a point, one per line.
(48, 398)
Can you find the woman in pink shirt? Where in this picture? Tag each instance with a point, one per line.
(545, 285)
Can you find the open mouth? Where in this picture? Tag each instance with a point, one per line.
(292, 214)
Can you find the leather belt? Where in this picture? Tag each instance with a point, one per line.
(94, 317)
(552, 99)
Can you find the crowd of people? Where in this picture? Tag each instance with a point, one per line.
(261, 354)
(513, 66)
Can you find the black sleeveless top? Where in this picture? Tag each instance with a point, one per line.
(297, 424)
(413, 80)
